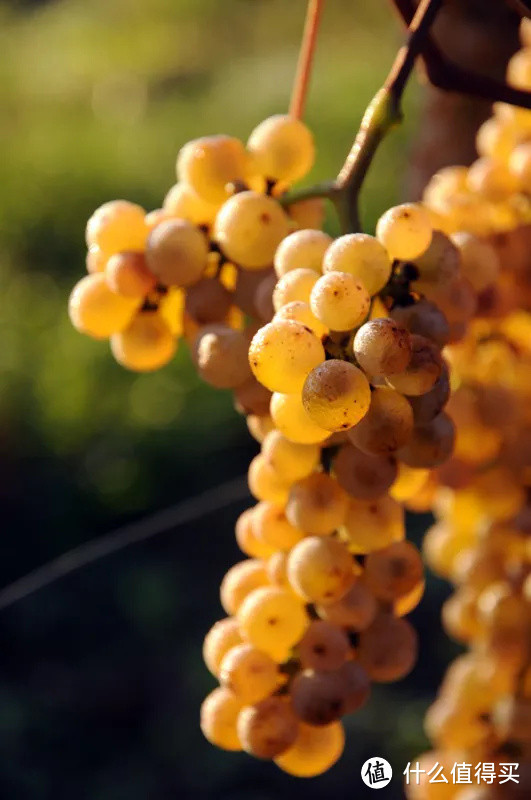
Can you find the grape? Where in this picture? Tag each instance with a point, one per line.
(339, 301)
(408, 482)
(246, 538)
(176, 252)
(219, 714)
(382, 347)
(251, 398)
(520, 165)
(356, 684)
(291, 418)
(268, 728)
(361, 256)
(308, 213)
(282, 148)
(336, 395)
(208, 301)
(512, 719)
(386, 426)
(323, 647)
(263, 298)
(479, 261)
(96, 310)
(272, 527)
(290, 461)
(425, 319)
(282, 354)
(208, 164)
(127, 274)
(443, 185)
(317, 504)
(314, 751)
(298, 311)
(241, 579)
(394, 571)
(439, 263)
(249, 673)
(249, 227)
(491, 178)
(272, 620)
(95, 260)
(388, 648)
(146, 344)
(259, 426)
(458, 300)
(265, 484)
(405, 231)
(222, 637)
(181, 201)
(276, 568)
(221, 356)
(116, 226)
(303, 249)
(363, 476)
(459, 615)
(321, 569)
(294, 285)
(318, 698)
(430, 444)
(171, 307)
(247, 284)
(422, 371)
(427, 406)
(519, 70)
(355, 610)
(373, 524)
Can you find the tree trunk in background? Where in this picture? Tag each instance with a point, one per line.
(480, 35)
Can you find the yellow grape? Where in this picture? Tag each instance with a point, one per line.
(336, 395)
(423, 369)
(519, 69)
(388, 648)
(222, 637)
(117, 225)
(208, 164)
(259, 426)
(317, 504)
(289, 460)
(176, 252)
(321, 569)
(479, 261)
(249, 227)
(520, 165)
(146, 344)
(265, 484)
(282, 354)
(298, 311)
(373, 524)
(382, 347)
(127, 274)
(96, 259)
(302, 249)
(496, 138)
(408, 482)
(268, 728)
(219, 714)
(96, 310)
(241, 579)
(251, 674)
(282, 148)
(315, 750)
(355, 610)
(443, 186)
(294, 285)
(171, 308)
(439, 263)
(324, 646)
(340, 301)
(292, 420)
(272, 527)
(246, 538)
(405, 231)
(491, 178)
(394, 571)
(361, 256)
(183, 202)
(386, 426)
(405, 604)
(272, 620)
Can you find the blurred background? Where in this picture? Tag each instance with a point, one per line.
(101, 675)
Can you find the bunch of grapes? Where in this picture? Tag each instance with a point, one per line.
(482, 496)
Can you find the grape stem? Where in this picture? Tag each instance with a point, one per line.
(306, 54)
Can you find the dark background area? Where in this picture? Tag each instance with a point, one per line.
(101, 675)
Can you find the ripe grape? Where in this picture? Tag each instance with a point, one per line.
(95, 260)
(222, 637)
(251, 674)
(363, 476)
(317, 504)
(282, 148)
(355, 610)
(361, 256)
(323, 647)
(388, 648)
(272, 620)
(294, 285)
(221, 356)
(183, 202)
(336, 395)
(268, 728)
(265, 484)
(314, 751)
(318, 698)
(146, 344)
(298, 311)
(219, 714)
(176, 252)
(439, 263)
(208, 301)
(282, 354)
(386, 426)
(321, 569)
(394, 571)
(291, 419)
(290, 461)
(373, 524)
(96, 310)
(425, 319)
(340, 301)
(241, 579)
(208, 164)
(303, 249)
(479, 261)
(431, 443)
(127, 274)
(405, 231)
(259, 426)
(249, 227)
(427, 406)
(117, 225)
(252, 398)
(246, 538)
(423, 369)
(272, 527)
(382, 347)
(356, 684)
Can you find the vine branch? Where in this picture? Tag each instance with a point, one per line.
(306, 54)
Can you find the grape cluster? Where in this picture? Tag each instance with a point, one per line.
(482, 495)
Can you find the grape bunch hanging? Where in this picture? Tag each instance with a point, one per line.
(378, 374)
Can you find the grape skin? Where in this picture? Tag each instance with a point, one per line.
(282, 354)
(336, 395)
(268, 728)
